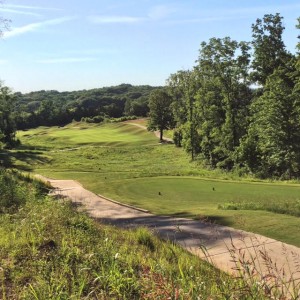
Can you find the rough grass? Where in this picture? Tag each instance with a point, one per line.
(126, 163)
(50, 251)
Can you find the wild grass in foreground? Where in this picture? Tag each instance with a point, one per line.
(50, 251)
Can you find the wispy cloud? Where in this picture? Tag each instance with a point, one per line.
(65, 60)
(30, 7)
(155, 13)
(19, 12)
(24, 9)
(113, 19)
(35, 26)
(161, 11)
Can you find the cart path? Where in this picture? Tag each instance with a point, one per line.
(220, 242)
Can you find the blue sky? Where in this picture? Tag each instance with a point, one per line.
(72, 45)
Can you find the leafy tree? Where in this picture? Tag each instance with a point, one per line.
(223, 98)
(7, 124)
(183, 87)
(272, 146)
(160, 114)
(269, 48)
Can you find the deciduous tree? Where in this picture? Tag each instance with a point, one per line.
(269, 49)
(7, 124)
(160, 114)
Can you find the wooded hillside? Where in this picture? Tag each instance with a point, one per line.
(50, 108)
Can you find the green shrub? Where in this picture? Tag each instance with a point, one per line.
(12, 193)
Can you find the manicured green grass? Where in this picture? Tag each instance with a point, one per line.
(78, 134)
(127, 163)
(200, 199)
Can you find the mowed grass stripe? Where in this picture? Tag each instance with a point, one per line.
(76, 134)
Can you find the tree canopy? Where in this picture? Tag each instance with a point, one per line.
(238, 107)
(160, 115)
(7, 123)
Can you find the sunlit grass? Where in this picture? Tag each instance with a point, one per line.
(127, 163)
(48, 250)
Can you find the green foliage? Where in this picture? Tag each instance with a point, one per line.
(160, 115)
(7, 123)
(272, 146)
(182, 87)
(52, 108)
(122, 119)
(12, 193)
(223, 120)
(269, 48)
(16, 189)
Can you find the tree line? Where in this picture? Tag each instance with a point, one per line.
(238, 108)
(52, 108)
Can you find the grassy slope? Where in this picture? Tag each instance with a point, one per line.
(126, 163)
(49, 251)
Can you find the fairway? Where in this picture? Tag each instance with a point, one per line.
(126, 163)
(85, 134)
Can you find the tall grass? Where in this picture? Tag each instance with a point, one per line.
(279, 206)
(12, 193)
(50, 251)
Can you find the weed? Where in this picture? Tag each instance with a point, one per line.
(144, 237)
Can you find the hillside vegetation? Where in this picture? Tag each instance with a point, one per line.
(49, 108)
(50, 251)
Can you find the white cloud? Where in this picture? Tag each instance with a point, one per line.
(35, 26)
(3, 61)
(65, 60)
(114, 19)
(23, 9)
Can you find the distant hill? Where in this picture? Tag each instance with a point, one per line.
(49, 108)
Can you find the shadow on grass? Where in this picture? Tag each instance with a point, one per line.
(5, 159)
(32, 148)
(9, 159)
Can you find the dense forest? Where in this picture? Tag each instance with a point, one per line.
(239, 107)
(48, 108)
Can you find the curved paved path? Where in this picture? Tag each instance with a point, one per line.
(222, 244)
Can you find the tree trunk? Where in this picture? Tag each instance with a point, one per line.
(161, 135)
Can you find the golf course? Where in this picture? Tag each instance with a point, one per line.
(126, 163)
